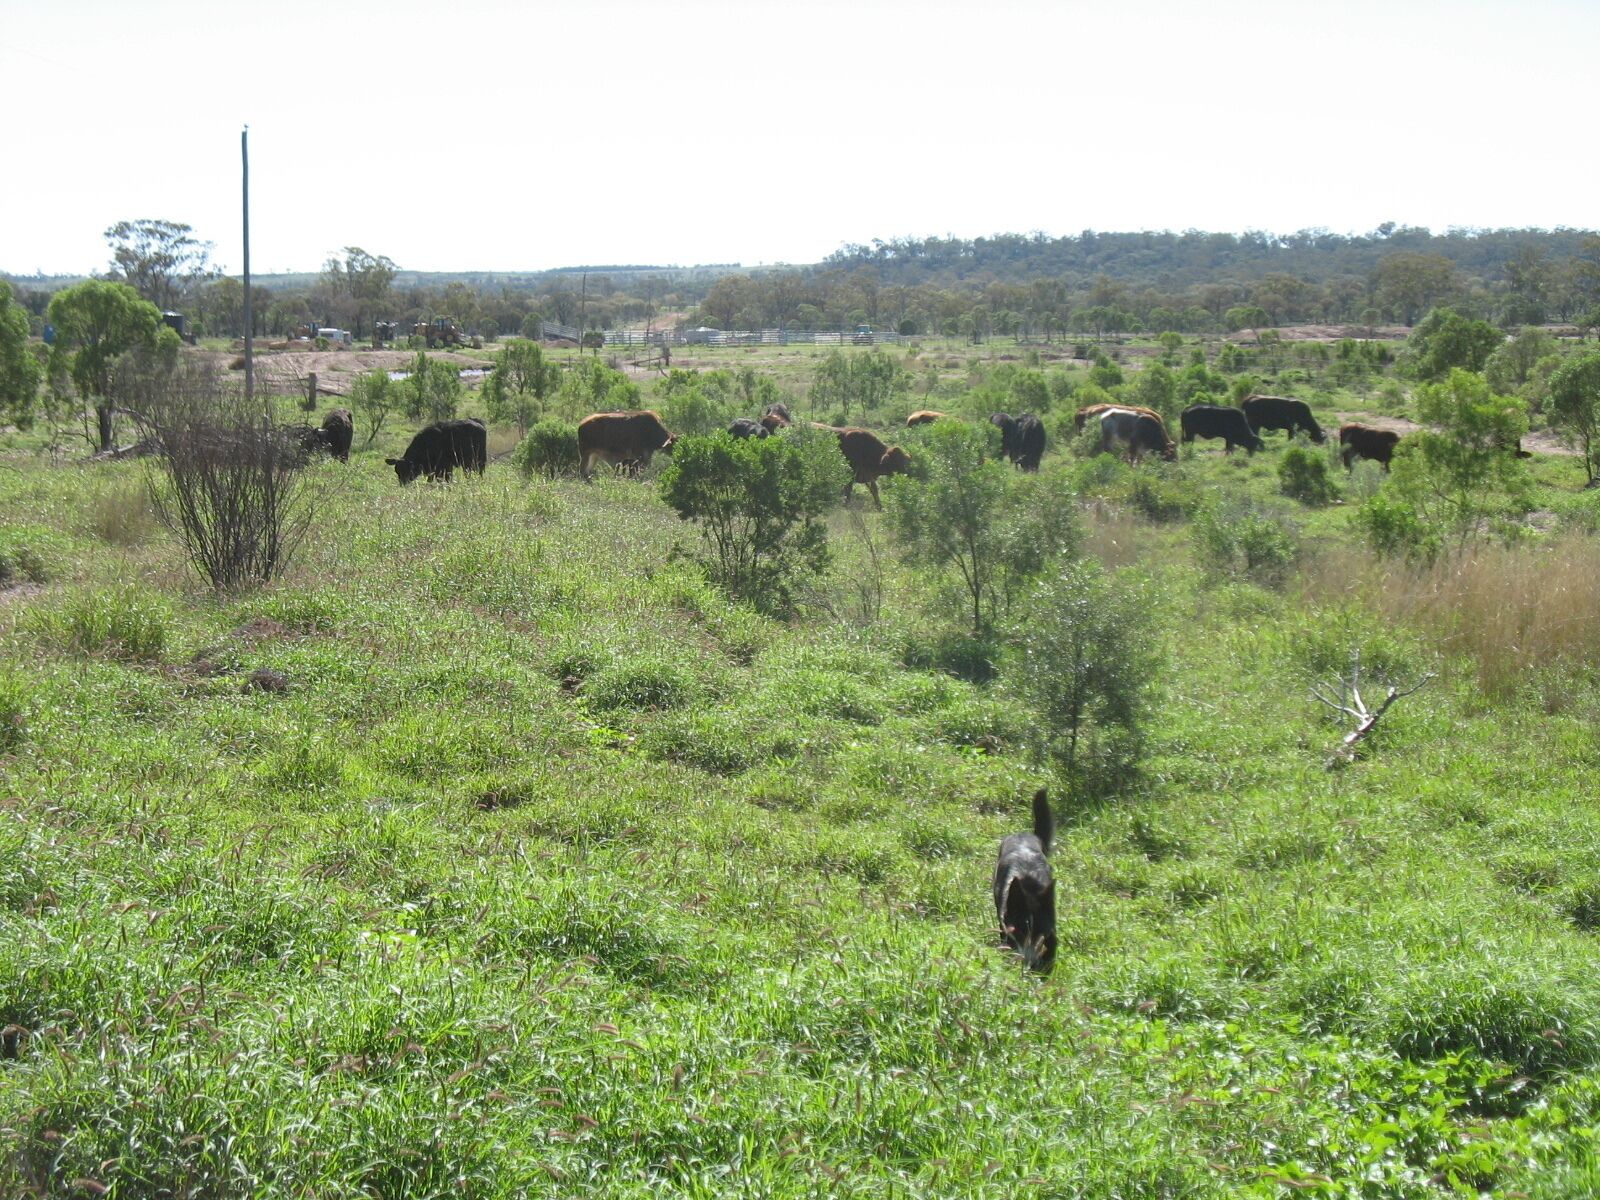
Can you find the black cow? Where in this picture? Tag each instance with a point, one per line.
(1214, 421)
(442, 447)
(1367, 441)
(1278, 412)
(338, 430)
(1025, 890)
(1134, 433)
(1021, 439)
(748, 427)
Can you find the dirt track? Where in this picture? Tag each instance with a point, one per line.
(285, 369)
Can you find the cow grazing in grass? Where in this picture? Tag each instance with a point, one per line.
(338, 430)
(1134, 433)
(1025, 890)
(747, 427)
(869, 459)
(626, 439)
(442, 447)
(1214, 421)
(1366, 441)
(926, 416)
(1094, 411)
(1279, 412)
(1021, 439)
(776, 417)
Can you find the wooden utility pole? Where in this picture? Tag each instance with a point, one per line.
(249, 323)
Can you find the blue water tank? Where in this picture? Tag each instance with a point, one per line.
(49, 335)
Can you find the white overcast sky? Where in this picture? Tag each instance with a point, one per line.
(495, 135)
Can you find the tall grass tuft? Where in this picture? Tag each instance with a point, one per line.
(1518, 611)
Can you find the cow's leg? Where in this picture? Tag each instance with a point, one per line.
(1347, 454)
(849, 490)
(872, 486)
(586, 465)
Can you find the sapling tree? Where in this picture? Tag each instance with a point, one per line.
(965, 511)
(19, 370)
(1088, 661)
(1457, 475)
(517, 388)
(759, 504)
(1575, 407)
(97, 322)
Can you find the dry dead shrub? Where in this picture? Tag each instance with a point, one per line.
(228, 480)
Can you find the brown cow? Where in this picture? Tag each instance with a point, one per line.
(869, 458)
(1366, 441)
(1081, 417)
(776, 417)
(924, 416)
(621, 439)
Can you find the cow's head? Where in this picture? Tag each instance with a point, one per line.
(895, 461)
(404, 468)
(666, 446)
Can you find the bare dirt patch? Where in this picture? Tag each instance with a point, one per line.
(20, 591)
(335, 369)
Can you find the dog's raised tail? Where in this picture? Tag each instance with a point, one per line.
(1044, 825)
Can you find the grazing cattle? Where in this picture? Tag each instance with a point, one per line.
(746, 427)
(1081, 417)
(869, 459)
(1021, 439)
(924, 416)
(1134, 432)
(1214, 421)
(338, 430)
(776, 417)
(1366, 441)
(442, 447)
(1025, 890)
(622, 439)
(1278, 412)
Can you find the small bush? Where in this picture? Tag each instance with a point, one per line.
(1162, 497)
(1303, 476)
(550, 449)
(759, 504)
(962, 654)
(1239, 538)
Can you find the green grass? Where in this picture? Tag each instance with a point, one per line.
(554, 873)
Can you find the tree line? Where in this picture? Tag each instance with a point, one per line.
(1029, 286)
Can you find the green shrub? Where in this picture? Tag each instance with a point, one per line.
(758, 503)
(1088, 662)
(1162, 496)
(1238, 538)
(963, 654)
(550, 449)
(1303, 476)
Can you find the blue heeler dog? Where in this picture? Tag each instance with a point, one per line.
(1025, 891)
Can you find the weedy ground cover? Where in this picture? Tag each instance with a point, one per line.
(552, 871)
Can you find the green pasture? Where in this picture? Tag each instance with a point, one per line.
(553, 873)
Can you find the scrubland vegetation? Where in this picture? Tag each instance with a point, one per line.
(635, 838)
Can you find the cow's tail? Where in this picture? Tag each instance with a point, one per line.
(1044, 825)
